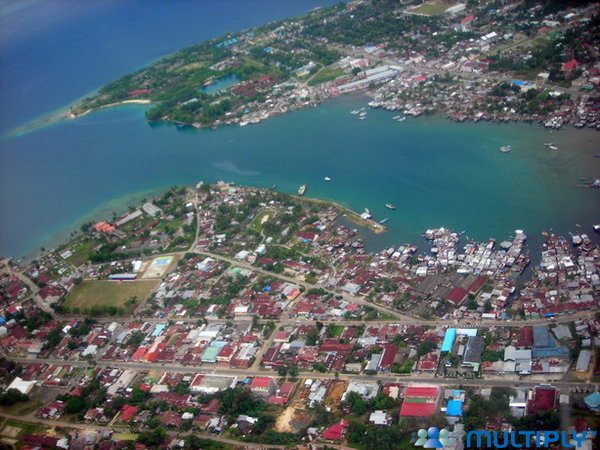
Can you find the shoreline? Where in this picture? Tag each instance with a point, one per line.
(72, 115)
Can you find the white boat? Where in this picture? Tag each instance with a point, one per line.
(327, 179)
(354, 111)
(505, 148)
(243, 123)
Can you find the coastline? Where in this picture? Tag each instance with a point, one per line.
(353, 216)
(71, 115)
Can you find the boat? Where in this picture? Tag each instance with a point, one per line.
(597, 228)
(390, 206)
(302, 189)
(362, 114)
(273, 187)
(362, 117)
(382, 221)
(401, 119)
(354, 111)
(505, 148)
(551, 146)
(327, 179)
(243, 123)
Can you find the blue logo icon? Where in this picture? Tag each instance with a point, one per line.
(433, 438)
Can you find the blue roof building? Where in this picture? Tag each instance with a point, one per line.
(454, 408)
(449, 339)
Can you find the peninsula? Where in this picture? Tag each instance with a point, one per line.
(525, 61)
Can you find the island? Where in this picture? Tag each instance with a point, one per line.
(523, 61)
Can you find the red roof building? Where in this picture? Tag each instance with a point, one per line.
(544, 398)
(570, 65)
(336, 431)
(457, 295)
(388, 356)
(127, 412)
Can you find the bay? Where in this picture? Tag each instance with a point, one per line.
(436, 172)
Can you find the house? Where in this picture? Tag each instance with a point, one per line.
(570, 66)
(127, 412)
(337, 431)
(263, 386)
(246, 423)
(380, 418)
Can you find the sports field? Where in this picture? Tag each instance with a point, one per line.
(430, 9)
(108, 293)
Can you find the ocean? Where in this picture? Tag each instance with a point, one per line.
(436, 172)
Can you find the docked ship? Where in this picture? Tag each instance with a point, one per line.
(390, 206)
(302, 189)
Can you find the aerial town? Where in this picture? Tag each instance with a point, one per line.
(480, 61)
(223, 316)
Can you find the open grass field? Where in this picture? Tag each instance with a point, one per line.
(431, 9)
(326, 74)
(261, 218)
(82, 252)
(108, 293)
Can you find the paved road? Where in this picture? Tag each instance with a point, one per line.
(243, 373)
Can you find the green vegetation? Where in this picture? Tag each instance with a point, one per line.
(326, 74)
(12, 396)
(82, 253)
(97, 297)
(431, 9)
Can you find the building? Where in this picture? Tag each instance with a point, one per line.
(583, 361)
(473, 351)
(542, 398)
(263, 386)
(151, 209)
(448, 340)
(592, 401)
(380, 418)
(366, 390)
(24, 387)
(518, 361)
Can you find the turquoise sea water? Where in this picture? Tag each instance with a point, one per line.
(436, 172)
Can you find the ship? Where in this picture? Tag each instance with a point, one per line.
(302, 189)
(382, 221)
(505, 148)
(390, 206)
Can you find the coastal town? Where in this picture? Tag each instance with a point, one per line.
(479, 61)
(224, 316)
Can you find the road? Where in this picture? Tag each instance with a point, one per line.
(243, 373)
